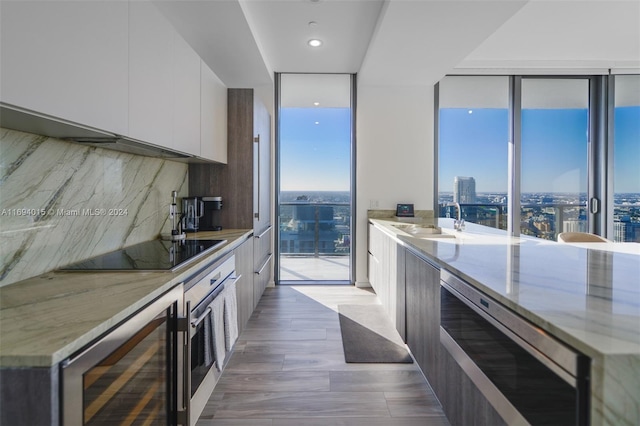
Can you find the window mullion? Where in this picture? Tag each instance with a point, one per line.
(598, 157)
(515, 157)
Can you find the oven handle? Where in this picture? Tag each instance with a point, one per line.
(197, 321)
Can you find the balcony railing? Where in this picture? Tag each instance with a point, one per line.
(547, 220)
(315, 229)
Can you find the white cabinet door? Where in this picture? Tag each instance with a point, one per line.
(150, 75)
(213, 116)
(186, 97)
(67, 59)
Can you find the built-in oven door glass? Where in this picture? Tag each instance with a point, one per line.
(542, 397)
(201, 357)
(129, 386)
(202, 340)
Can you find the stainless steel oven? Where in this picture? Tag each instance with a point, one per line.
(132, 374)
(207, 296)
(527, 375)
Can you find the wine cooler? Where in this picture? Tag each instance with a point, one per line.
(132, 375)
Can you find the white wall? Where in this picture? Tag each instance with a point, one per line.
(394, 158)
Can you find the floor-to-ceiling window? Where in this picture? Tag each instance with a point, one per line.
(554, 163)
(314, 183)
(561, 133)
(474, 132)
(626, 222)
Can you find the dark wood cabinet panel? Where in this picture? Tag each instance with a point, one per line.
(29, 396)
(243, 185)
(462, 401)
(422, 286)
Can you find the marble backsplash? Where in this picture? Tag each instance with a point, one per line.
(61, 202)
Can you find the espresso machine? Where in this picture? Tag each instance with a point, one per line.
(210, 220)
(192, 212)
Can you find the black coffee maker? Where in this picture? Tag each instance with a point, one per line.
(210, 220)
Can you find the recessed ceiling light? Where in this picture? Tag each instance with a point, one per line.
(314, 42)
(313, 24)
(317, 122)
(316, 103)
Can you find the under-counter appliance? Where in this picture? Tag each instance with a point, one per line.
(210, 220)
(133, 374)
(192, 212)
(155, 255)
(527, 375)
(206, 308)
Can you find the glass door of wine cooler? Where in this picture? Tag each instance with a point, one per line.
(130, 376)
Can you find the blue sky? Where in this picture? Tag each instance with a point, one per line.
(627, 150)
(554, 149)
(315, 157)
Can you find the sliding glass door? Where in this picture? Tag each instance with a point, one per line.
(626, 148)
(314, 184)
(554, 162)
(541, 155)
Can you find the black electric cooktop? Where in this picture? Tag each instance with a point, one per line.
(156, 255)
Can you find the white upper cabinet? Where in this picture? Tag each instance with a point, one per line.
(213, 116)
(150, 75)
(186, 97)
(67, 59)
(116, 66)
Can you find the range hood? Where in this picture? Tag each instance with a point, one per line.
(16, 118)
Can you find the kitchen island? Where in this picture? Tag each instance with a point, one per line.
(588, 298)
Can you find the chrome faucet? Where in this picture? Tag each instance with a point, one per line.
(176, 219)
(458, 224)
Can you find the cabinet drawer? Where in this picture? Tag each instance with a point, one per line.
(376, 241)
(262, 247)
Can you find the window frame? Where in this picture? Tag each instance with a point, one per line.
(600, 156)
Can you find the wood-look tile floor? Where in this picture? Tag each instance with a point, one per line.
(288, 369)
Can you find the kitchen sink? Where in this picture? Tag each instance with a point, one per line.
(423, 231)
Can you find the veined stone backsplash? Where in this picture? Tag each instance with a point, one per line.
(61, 202)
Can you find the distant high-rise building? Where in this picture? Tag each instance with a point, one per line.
(626, 231)
(464, 190)
(574, 225)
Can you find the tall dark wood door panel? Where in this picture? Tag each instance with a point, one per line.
(233, 181)
(245, 181)
(423, 314)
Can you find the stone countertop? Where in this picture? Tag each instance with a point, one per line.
(586, 296)
(45, 319)
(589, 298)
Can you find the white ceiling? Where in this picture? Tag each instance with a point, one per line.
(565, 34)
(282, 28)
(405, 42)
